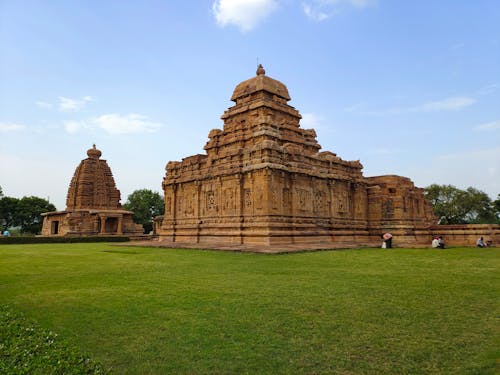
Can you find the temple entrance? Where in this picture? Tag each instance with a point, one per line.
(111, 225)
(54, 227)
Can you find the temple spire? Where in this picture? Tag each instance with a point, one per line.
(260, 70)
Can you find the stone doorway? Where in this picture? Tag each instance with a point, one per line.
(54, 227)
(111, 225)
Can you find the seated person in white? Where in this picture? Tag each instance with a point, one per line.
(435, 242)
(480, 242)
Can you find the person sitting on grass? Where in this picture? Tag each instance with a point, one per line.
(441, 242)
(435, 242)
(480, 242)
(438, 242)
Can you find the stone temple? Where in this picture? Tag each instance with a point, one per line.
(93, 204)
(265, 182)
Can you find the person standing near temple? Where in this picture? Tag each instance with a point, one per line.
(388, 240)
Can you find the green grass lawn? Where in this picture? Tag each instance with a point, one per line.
(372, 311)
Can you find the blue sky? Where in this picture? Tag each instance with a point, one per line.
(407, 87)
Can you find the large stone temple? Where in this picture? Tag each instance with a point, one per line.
(265, 181)
(93, 204)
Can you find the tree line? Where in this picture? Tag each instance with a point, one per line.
(451, 206)
(24, 213)
(455, 206)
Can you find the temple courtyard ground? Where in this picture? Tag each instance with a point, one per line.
(370, 311)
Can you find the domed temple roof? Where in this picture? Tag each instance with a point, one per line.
(260, 82)
(92, 185)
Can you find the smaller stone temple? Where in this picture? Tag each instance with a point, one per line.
(93, 204)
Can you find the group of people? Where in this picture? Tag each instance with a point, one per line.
(438, 242)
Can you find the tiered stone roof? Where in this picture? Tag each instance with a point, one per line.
(262, 130)
(93, 185)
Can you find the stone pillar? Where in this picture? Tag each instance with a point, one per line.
(119, 230)
(174, 210)
(103, 224)
(241, 204)
(198, 209)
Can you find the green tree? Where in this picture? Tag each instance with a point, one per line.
(496, 206)
(29, 214)
(9, 208)
(456, 206)
(146, 205)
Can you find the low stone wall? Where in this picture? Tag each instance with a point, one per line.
(453, 235)
(467, 234)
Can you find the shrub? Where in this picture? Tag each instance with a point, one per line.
(26, 348)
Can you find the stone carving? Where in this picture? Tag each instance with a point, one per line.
(92, 204)
(248, 198)
(211, 205)
(283, 189)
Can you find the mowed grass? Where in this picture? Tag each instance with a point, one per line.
(370, 311)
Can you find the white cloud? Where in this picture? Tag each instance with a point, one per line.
(43, 105)
(355, 107)
(310, 120)
(320, 10)
(128, 124)
(488, 89)
(245, 14)
(73, 127)
(455, 103)
(448, 104)
(73, 105)
(314, 13)
(10, 127)
(490, 126)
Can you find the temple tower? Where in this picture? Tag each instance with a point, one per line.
(92, 204)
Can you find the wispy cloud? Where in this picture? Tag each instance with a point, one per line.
(355, 107)
(73, 127)
(488, 89)
(113, 124)
(6, 127)
(43, 105)
(454, 103)
(457, 46)
(311, 120)
(245, 14)
(385, 151)
(73, 105)
(127, 124)
(320, 10)
(449, 104)
(489, 126)
(315, 13)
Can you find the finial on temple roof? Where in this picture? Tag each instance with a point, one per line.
(261, 71)
(94, 152)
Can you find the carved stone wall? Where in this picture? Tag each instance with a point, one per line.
(264, 180)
